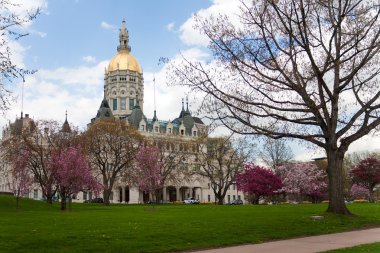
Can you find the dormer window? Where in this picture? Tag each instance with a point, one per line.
(156, 129)
(142, 128)
(194, 133)
(169, 130)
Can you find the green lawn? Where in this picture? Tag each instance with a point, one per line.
(368, 248)
(138, 228)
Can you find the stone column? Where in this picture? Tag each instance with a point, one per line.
(164, 195)
(116, 195)
(123, 194)
(177, 193)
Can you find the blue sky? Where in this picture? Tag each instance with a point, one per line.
(73, 29)
(72, 41)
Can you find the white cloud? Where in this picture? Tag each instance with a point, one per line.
(107, 26)
(89, 59)
(41, 34)
(24, 7)
(191, 36)
(83, 76)
(18, 53)
(49, 93)
(170, 26)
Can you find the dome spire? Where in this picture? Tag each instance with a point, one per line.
(155, 117)
(66, 127)
(123, 38)
(183, 110)
(187, 106)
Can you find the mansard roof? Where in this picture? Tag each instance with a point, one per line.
(104, 110)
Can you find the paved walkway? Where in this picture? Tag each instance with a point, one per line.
(307, 244)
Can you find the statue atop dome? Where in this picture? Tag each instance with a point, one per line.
(123, 38)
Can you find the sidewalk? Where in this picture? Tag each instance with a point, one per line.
(307, 244)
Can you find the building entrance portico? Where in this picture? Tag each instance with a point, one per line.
(123, 194)
(171, 194)
(197, 193)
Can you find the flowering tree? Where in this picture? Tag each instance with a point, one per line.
(258, 181)
(359, 192)
(20, 180)
(72, 173)
(39, 139)
(367, 174)
(303, 179)
(148, 173)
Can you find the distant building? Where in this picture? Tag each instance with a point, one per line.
(124, 100)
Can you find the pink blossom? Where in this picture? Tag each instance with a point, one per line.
(359, 192)
(258, 181)
(72, 172)
(303, 178)
(148, 173)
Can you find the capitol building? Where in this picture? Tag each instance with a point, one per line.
(124, 100)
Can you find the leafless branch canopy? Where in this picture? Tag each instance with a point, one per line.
(11, 28)
(300, 69)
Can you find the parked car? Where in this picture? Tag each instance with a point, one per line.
(237, 202)
(191, 201)
(94, 200)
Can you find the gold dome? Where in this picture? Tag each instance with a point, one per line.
(123, 60)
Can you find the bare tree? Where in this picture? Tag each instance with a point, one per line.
(112, 146)
(174, 156)
(220, 160)
(308, 69)
(275, 152)
(11, 29)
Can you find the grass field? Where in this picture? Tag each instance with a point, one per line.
(367, 248)
(39, 227)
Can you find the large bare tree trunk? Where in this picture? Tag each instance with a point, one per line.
(106, 196)
(336, 183)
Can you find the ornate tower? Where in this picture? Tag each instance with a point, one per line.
(123, 80)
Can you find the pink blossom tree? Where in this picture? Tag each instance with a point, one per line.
(367, 174)
(72, 173)
(148, 173)
(257, 182)
(20, 181)
(302, 179)
(359, 192)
